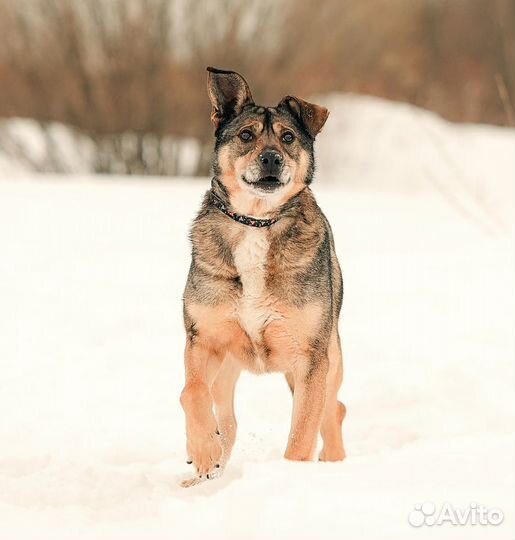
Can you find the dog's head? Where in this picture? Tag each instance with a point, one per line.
(263, 155)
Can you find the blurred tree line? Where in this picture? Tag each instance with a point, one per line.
(130, 74)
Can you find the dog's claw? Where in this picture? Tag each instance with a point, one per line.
(217, 432)
(217, 465)
(188, 462)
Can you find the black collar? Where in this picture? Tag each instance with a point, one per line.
(245, 220)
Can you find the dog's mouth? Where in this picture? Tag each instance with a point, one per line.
(266, 183)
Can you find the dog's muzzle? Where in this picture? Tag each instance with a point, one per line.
(271, 165)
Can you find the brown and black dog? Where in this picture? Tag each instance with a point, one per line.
(264, 290)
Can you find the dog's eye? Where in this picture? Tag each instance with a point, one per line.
(246, 135)
(288, 137)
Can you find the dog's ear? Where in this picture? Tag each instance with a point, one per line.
(228, 92)
(312, 116)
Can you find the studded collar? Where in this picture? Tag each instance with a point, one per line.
(245, 220)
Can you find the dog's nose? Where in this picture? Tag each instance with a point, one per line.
(271, 161)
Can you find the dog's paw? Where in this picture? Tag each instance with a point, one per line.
(205, 454)
(195, 480)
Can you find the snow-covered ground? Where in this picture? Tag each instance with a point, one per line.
(91, 342)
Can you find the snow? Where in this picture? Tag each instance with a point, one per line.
(91, 344)
(386, 145)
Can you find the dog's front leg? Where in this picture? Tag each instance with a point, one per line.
(203, 445)
(308, 404)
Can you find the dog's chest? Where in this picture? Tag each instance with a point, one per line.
(250, 258)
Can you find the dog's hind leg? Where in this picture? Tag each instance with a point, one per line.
(334, 410)
(223, 397)
(308, 405)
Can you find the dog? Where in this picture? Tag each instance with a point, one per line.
(264, 290)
